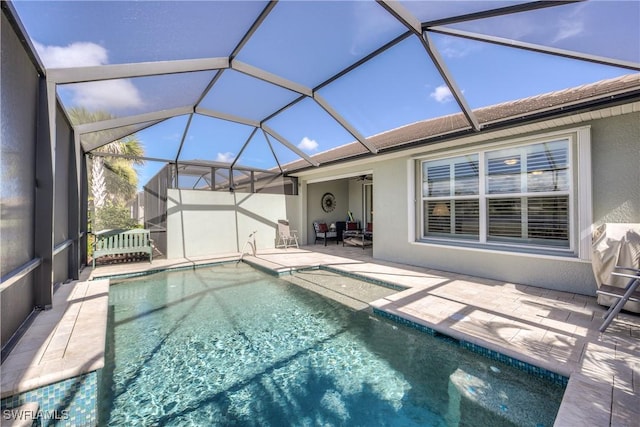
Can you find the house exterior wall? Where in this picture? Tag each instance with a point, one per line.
(211, 222)
(615, 198)
(616, 169)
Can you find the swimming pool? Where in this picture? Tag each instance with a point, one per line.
(230, 345)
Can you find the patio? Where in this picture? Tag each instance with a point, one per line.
(554, 330)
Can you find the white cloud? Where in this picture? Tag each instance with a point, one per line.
(308, 144)
(568, 29)
(78, 54)
(108, 95)
(226, 157)
(573, 24)
(457, 48)
(365, 21)
(442, 94)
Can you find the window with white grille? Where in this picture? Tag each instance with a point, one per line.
(509, 196)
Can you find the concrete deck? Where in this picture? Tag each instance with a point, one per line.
(64, 342)
(553, 330)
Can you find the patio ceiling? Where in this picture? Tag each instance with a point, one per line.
(267, 84)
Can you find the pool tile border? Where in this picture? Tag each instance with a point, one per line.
(71, 402)
(530, 369)
(536, 371)
(121, 276)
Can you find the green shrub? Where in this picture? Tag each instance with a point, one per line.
(113, 216)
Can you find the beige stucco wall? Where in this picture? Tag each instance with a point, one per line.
(211, 222)
(616, 169)
(616, 198)
(615, 153)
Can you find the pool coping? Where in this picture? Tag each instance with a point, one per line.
(514, 359)
(63, 342)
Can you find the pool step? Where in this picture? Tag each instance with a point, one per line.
(22, 416)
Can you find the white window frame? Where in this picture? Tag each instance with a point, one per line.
(580, 199)
(451, 197)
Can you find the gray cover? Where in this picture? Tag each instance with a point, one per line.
(615, 244)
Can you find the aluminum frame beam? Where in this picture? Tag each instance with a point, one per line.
(132, 120)
(399, 12)
(266, 137)
(74, 198)
(507, 10)
(361, 61)
(220, 165)
(414, 26)
(254, 27)
(263, 75)
(44, 241)
(184, 137)
(344, 123)
(217, 165)
(110, 136)
(403, 15)
(128, 156)
(441, 66)
(289, 145)
(141, 69)
(536, 48)
(225, 116)
(244, 146)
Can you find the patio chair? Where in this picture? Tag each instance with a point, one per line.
(322, 231)
(352, 228)
(286, 236)
(368, 232)
(622, 295)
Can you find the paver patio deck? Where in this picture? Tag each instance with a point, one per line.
(550, 329)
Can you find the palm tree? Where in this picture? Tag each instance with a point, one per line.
(113, 179)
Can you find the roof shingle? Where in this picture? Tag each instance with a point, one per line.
(495, 114)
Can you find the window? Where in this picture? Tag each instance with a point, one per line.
(450, 190)
(511, 196)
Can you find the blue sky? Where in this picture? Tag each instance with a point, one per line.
(307, 42)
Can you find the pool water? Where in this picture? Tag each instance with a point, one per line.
(230, 345)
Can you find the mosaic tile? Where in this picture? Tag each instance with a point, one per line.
(71, 402)
(490, 354)
(161, 270)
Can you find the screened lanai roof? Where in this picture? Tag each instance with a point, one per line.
(272, 85)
